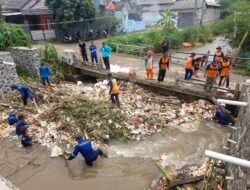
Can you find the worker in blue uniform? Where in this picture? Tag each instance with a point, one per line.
(26, 139)
(20, 124)
(86, 150)
(221, 117)
(25, 92)
(44, 72)
(12, 119)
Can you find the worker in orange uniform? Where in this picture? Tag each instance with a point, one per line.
(189, 66)
(218, 56)
(211, 74)
(149, 65)
(225, 71)
(163, 66)
(114, 90)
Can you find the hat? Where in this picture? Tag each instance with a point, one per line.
(218, 47)
(12, 111)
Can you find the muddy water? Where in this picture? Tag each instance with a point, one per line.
(130, 165)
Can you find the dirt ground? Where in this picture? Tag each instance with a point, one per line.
(176, 65)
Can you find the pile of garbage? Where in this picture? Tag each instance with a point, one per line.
(211, 175)
(72, 108)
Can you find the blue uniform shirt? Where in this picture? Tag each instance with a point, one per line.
(25, 91)
(86, 150)
(19, 126)
(12, 119)
(105, 50)
(44, 71)
(92, 49)
(223, 120)
(26, 140)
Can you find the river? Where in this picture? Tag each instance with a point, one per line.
(129, 166)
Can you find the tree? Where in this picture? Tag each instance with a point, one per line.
(71, 10)
(167, 22)
(226, 4)
(236, 23)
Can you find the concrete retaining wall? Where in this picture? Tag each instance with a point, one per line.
(27, 59)
(8, 76)
(242, 148)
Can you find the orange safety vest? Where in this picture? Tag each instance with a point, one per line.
(212, 72)
(218, 56)
(225, 68)
(115, 88)
(189, 63)
(164, 63)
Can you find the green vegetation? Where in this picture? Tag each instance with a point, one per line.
(12, 35)
(195, 34)
(71, 10)
(96, 118)
(167, 21)
(25, 77)
(50, 56)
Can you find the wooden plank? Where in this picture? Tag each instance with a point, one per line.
(173, 184)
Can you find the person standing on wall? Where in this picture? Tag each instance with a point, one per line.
(163, 66)
(149, 65)
(83, 51)
(189, 67)
(211, 74)
(165, 46)
(114, 90)
(225, 72)
(106, 50)
(93, 53)
(44, 72)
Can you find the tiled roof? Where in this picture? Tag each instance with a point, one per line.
(15, 4)
(36, 12)
(190, 4)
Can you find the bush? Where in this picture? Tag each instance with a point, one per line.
(49, 55)
(12, 35)
(195, 34)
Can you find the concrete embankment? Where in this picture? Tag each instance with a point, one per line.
(241, 175)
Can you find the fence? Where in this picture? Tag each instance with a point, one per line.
(43, 34)
(133, 26)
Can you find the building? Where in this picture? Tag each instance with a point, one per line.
(191, 12)
(33, 15)
(188, 12)
(151, 10)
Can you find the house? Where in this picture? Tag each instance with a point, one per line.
(191, 12)
(151, 10)
(33, 15)
(121, 10)
(188, 12)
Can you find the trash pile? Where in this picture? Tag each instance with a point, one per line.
(72, 108)
(211, 175)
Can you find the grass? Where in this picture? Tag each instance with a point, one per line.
(154, 37)
(243, 72)
(25, 77)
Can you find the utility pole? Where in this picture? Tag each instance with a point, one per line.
(202, 11)
(195, 11)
